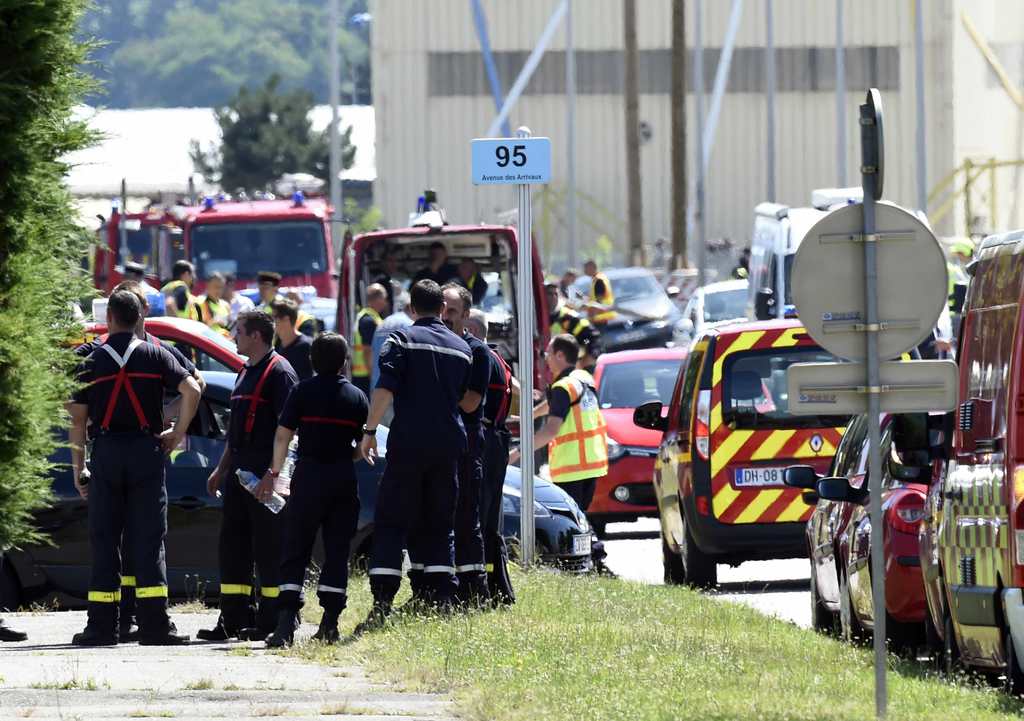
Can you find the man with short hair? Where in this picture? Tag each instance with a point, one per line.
(249, 531)
(213, 309)
(294, 346)
(367, 320)
(469, 540)
(120, 406)
(388, 279)
(268, 282)
(470, 278)
(600, 304)
(568, 280)
(239, 303)
(154, 298)
(439, 269)
(398, 319)
(178, 292)
(424, 372)
(328, 413)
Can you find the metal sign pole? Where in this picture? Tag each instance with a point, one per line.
(526, 324)
(871, 180)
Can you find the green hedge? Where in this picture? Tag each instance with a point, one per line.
(40, 246)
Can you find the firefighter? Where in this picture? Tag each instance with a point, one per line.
(574, 431)
(214, 311)
(294, 346)
(268, 283)
(178, 292)
(497, 405)
(367, 320)
(424, 370)
(565, 320)
(328, 412)
(122, 398)
(470, 277)
(249, 531)
(469, 540)
(601, 303)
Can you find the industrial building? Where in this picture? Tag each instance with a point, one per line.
(432, 96)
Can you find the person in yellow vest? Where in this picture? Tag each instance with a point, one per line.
(575, 431)
(471, 279)
(600, 304)
(367, 321)
(565, 320)
(305, 323)
(214, 311)
(178, 292)
(268, 282)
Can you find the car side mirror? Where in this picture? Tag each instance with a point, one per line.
(764, 304)
(837, 488)
(801, 477)
(649, 416)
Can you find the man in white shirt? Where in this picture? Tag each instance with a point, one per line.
(239, 303)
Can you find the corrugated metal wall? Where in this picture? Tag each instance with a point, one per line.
(432, 98)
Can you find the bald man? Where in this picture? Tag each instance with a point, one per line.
(367, 321)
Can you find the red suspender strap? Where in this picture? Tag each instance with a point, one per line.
(123, 380)
(506, 389)
(257, 395)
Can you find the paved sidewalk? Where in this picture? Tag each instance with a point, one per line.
(46, 678)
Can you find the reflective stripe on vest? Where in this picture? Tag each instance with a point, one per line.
(577, 323)
(607, 298)
(361, 356)
(257, 394)
(191, 309)
(123, 380)
(580, 450)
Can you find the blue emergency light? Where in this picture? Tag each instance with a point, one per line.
(208, 202)
(298, 199)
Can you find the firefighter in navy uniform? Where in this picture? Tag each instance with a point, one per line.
(469, 540)
(329, 413)
(249, 531)
(424, 369)
(497, 405)
(123, 400)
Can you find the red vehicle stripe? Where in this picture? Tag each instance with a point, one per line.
(771, 514)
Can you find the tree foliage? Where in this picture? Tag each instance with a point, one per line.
(166, 53)
(39, 245)
(266, 133)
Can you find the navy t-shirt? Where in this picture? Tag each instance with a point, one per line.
(297, 354)
(254, 450)
(479, 377)
(86, 350)
(329, 414)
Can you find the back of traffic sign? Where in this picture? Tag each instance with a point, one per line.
(828, 281)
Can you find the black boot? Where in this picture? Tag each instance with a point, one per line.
(170, 637)
(93, 636)
(129, 631)
(9, 635)
(219, 632)
(376, 619)
(328, 631)
(101, 626)
(284, 635)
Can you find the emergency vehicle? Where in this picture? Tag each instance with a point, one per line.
(494, 248)
(151, 238)
(242, 237)
(973, 536)
(778, 232)
(727, 439)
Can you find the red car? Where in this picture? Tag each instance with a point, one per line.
(210, 350)
(839, 537)
(626, 380)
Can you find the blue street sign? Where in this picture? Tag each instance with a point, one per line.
(511, 161)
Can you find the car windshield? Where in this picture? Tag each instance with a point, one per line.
(756, 392)
(725, 305)
(628, 385)
(289, 248)
(636, 286)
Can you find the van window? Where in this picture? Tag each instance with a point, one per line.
(843, 463)
(755, 393)
(693, 366)
(988, 334)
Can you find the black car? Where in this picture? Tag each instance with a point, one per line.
(646, 315)
(61, 571)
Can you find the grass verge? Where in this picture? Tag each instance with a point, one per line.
(598, 648)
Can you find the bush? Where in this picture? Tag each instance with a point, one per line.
(40, 245)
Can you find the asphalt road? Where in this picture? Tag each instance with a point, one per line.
(776, 588)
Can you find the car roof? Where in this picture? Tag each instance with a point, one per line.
(729, 328)
(628, 356)
(723, 286)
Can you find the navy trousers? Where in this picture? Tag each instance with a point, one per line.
(492, 516)
(469, 540)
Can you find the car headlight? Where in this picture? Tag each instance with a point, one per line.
(615, 450)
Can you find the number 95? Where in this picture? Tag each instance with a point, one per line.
(517, 156)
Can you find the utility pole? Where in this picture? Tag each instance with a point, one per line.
(334, 90)
(570, 131)
(840, 97)
(680, 190)
(698, 88)
(632, 90)
(769, 74)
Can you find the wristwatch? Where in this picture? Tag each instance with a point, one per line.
(369, 431)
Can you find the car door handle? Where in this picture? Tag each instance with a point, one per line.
(190, 503)
(957, 495)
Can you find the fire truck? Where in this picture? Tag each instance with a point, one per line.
(151, 238)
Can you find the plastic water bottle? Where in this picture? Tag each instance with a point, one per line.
(249, 482)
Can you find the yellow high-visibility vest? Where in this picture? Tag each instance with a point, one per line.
(191, 309)
(215, 313)
(569, 321)
(580, 450)
(361, 359)
(606, 299)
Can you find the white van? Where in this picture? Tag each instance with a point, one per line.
(778, 231)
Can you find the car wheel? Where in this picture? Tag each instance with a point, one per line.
(1013, 681)
(675, 574)
(701, 570)
(852, 629)
(950, 650)
(822, 619)
(10, 589)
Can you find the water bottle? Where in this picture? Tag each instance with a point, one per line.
(249, 482)
(288, 467)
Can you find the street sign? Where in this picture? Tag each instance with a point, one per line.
(828, 281)
(873, 153)
(511, 161)
(839, 389)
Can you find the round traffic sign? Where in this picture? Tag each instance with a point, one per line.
(828, 281)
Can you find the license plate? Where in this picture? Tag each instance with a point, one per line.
(581, 545)
(746, 477)
(632, 336)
